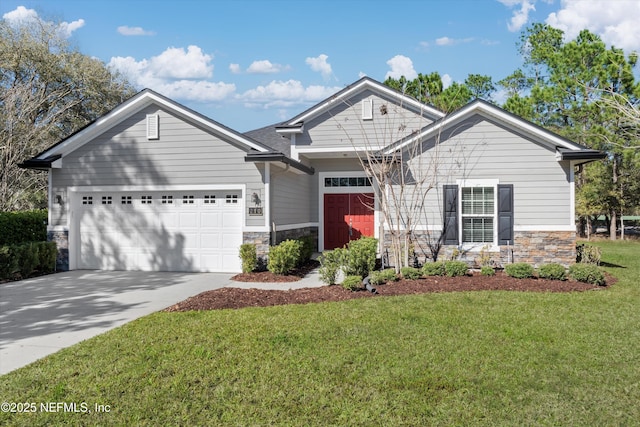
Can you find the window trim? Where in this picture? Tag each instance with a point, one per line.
(478, 183)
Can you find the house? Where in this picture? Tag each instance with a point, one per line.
(155, 186)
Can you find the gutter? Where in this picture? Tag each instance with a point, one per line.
(279, 157)
(39, 164)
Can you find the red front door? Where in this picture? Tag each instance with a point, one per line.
(347, 217)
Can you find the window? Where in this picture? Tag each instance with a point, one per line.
(87, 200)
(187, 200)
(485, 211)
(347, 182)
(209, 199)
(146, 200)
(167, 200)
(232, 198)
(106, 200)
(478, 214)
(125, 200)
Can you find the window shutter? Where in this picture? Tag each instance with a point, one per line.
(450, 232)
(505, 214)
(152, 126)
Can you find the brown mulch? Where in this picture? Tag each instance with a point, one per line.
(233, 298)
(267, 276)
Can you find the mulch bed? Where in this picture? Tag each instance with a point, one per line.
(233, 298)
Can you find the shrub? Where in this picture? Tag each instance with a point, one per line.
(519, 270)
(588, 254)
(552, 271)
(587, 273)
(384, 276)
(249, 257)
(433, 269)
(21, 227)
(330, 264)
(27, 256)
(486, 270)
(410, 273)
(361, 256)
(8, 262)
(308, 247)
(351, 283)
(455, 268)
(284, 257)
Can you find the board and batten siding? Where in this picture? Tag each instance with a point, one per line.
(342, 127)
(480, 149)
(183, 155)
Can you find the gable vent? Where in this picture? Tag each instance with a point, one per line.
(153, 122)
(367, 109)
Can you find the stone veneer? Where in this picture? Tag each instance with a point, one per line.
(61, 238)
(533, 247)
(262, 240)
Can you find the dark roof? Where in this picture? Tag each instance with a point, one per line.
(268, 136)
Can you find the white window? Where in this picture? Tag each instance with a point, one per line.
(478, 214)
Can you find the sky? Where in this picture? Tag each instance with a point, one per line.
(248, 64)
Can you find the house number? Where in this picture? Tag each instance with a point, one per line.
(255, 211)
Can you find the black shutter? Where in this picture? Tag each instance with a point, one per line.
(450, 216)
(505, 214)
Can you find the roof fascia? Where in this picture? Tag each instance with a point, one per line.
(360, 85)
(281, 158)
(133, 105)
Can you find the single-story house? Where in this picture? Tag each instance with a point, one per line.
(153, 185)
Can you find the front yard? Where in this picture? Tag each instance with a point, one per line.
(461, 358)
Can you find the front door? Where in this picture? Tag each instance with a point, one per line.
(347, 217)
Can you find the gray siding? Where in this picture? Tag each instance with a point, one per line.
(342, 127)
(291, 198)
(183, 155)
(480, 149)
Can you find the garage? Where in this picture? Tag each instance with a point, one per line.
(198, 231)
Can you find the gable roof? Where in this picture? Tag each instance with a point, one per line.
(365, 83)
(565, 149)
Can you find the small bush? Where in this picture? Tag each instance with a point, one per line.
(361, 258)
(22, 227)
(384, 276)
(587, 254)
(486, 270)
(587, 273)
(27, 255)
(284, 257)
(410, 273)
(47, 253)
(249, 257)
(351, 283)
(308, 247)
(330, 264)
(26, 258)
(519, 270)
(8, 262)
(433, 269)
(455, 268)
(552, 271)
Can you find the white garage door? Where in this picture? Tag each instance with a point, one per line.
(160, 231)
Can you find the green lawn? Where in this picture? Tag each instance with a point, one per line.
(477, 358)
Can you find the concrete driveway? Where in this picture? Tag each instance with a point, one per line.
(40, 316)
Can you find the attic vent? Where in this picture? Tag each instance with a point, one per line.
(153, 122)
(367, 109)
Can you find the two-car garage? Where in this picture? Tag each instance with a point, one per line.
(157, 230)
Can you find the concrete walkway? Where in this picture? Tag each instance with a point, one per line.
(42, 315)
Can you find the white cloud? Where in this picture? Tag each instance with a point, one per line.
(401, 66)
(200, 91)
(176, 63)
(520, 16)
(448, 41)
(134, 31)
(235, 68)
(285, 94)
(320, 64)
(446, 81)
(265, 67)
(23, 15)
(615, 21)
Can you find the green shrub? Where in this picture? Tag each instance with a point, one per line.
(284, 257)
(24, 226)
(588, 254)
(587, 273)
(26, 258)
(351, 283)
(410, 273)
(519, 270)
(455, 268)
(486, 270)
(552, 271)
(249, 257)
(384, 276)
(27, 255)
(330, 264)
(433, 269)
(8, 262)
(308, 247)
(361, 256)
(47, 253)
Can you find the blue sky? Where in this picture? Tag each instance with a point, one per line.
(247, 64)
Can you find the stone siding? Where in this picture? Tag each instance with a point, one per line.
(262, 240)
(61, 238)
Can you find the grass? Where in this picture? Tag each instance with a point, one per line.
(475, 358)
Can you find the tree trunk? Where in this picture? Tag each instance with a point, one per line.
(613, 225)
